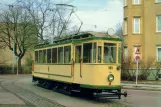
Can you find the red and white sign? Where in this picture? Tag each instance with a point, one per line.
(137, 58)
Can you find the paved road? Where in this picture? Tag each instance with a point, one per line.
(142, 98)
(33, 95)
(136, 98)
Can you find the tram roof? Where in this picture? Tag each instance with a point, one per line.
(80, 37)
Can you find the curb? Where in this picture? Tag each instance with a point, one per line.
(141, 88)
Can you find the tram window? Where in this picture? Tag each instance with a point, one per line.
(94, 52)
(99, 54)
(54, 55)
(87, 53)
(48, 55)
(40, 56)
(36, 56)
(119, 55)
(78, 54)
(67, 55)
(44, 56)
(60, 55)
(109, 53)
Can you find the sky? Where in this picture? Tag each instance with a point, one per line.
(99, 15)
(96, 15)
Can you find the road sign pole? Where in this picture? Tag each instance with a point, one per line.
(136, 72)
(137, 62)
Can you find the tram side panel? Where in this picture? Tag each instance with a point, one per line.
(96, 76)
(60, 73)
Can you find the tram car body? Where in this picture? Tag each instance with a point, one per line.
(88, 61)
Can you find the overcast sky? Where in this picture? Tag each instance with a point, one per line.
(96, 15)
(102, 13)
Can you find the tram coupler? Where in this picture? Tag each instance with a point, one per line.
(117, 93)
(124, 94)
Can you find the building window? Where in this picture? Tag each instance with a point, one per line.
(125, 26)
(125, 2)
(136, 25)
(158, 23)
(158, 1)
(159, 53)
(136, 2)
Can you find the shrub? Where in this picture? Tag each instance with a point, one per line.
(7, 69)
(129, 69)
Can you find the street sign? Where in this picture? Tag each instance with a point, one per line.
(137, 58)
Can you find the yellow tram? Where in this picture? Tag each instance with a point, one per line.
(88, 62)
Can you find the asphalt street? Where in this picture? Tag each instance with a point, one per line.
(136, 98)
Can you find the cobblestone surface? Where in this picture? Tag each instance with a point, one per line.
(30, 98)
(13, 105)
(34, 96)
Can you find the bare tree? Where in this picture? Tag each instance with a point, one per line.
(17, 31)
(49, 17)
(145, 66)
(119, 31)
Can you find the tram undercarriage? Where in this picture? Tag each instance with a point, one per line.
(70, 89)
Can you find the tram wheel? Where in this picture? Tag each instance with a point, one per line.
(119, 94)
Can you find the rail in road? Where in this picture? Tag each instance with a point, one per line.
(19, 87)
(31, 99)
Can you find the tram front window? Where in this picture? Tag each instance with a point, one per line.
(109, 53)
(87, 53)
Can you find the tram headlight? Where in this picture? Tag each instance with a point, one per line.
(110, 77)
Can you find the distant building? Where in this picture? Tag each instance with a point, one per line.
(142, 29)
(6, 57)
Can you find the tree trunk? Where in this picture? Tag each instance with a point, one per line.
(19, 65)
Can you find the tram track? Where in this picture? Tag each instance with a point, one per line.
(30, 98)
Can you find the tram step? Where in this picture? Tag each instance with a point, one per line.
(76, 91)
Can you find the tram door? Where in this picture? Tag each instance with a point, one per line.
(78, 63)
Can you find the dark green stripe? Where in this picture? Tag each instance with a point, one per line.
(53, 74)
(100, 87)
(50, 64)
(79, 63)
(78, 41)
(53, 80)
